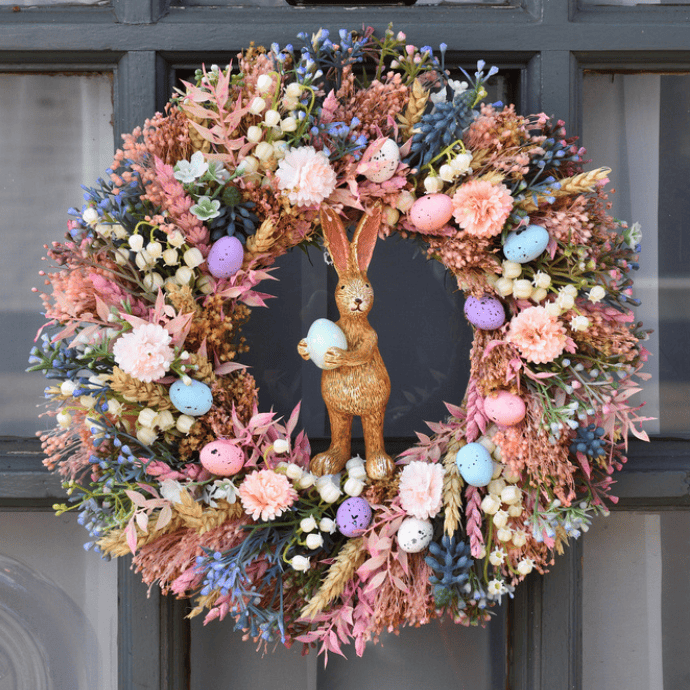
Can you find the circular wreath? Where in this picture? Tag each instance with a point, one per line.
(159, 437)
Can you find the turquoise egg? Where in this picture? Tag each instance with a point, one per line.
(526, 244)
(195, 399)
(324, 334)
(475, 464)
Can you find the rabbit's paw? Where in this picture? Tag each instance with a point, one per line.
(303, 349)
(380, 466)
(334, 358)
(328, 462)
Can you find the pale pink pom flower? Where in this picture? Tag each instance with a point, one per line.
(306, 175)
(481, 208)
(538, 335)
(145, 352)
(266, 494)
(421, 489)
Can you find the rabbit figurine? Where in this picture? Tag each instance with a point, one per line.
(355, 381)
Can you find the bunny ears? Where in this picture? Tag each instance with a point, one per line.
(351, 257)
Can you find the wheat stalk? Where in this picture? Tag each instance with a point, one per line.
(415, 109)
(578, 184)
(339, 574)
(261, 241)
(134, 390)
(452, 489)
(198, 142)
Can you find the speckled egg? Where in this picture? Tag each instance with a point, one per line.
(222, 457)
(486, 313)
(195, 399)
(414, 535)
(525, 244)
(324, 334)
(225, 257)
(431, 212)
(505, 408)
(387, 159)
(475, 464)
(353, 516)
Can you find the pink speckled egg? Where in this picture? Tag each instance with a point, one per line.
(222, 458)
(353, 516)
(486, 313)
(431, 212)
(225, 257)
(506, 408)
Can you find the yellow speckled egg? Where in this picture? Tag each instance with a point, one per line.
(431, 212)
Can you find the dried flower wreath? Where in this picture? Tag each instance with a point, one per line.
(159, 438)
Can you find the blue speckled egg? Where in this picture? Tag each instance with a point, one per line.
(225, 258)
(353, 516)
(525, 244)
(475, 464)
(195, 399)
(486, 313)
(324, 334)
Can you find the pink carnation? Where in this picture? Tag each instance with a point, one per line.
(539, 336)
(306, 175)
(266, 494)
(145, 352)
(481, 208)
(421, 489)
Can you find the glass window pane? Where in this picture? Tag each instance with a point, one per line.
(629, 3)
(61, 137)
(443, 656)
(636, 600)
(58, 607)
(279, 3)
(638, 125)
(43, 3)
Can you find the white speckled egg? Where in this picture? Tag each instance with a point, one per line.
(324, 334)
(431, 212)
(195, 399)
(414, 535)
(475, 464)
(225, 258)
(386, 162)
(526, 244)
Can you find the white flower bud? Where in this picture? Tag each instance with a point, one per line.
(90, 215)
(147, 417)
(258, 106)
(300, 563)
(538, 295)
(155, 249)
(152, 281)
(121, 256)
(263, 83)
(504, 534)
(497, 557)
(512, 269)
(64, 419)
(327, 525)
(487, 443)
(136, 243)
(520, 538)
(314, 541)
(306, 480)
(579, 323)
(570, 290)
(446, 173)
(490, 505)
(391, 216)
(511, 495)
(328, 491)
(308, 524)
(565, 301)
(496, 486)
(405, 201)
(87, 401)
(500, 518)
(104, 229)
(143, 260)
(271, 118)
(170, 257)
(515, 510)
(248, 165)
(353, 487)
(254, 134)
(553, 309)
(541, 280)
(596, 294)
(433, 185)
(525, 566)
(67, 388)
(290, 104)
(193, 257)
(146, 436)
(293, 90)
(183, 275)
(504, 287)
(280, 148)
(263, 151)
(289, 124)
(164, 420)
(115, 407)
(294, 471)
(184, 423)
(522, 289)
(281, 445)
(205, 285)
(461, 163)
(118, 231)
(176, 239)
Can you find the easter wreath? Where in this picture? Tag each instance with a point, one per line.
(163, 450)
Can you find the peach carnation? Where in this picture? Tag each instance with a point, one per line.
(145, 352)
(481, 208)
(266, 494)
(306, 175)
(538, 335)
(421, 489)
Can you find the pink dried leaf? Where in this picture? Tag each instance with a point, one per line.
(228, 367)
(142, 521)
(400, 584)
(164, 518)
(376, 581)
(292, 422)
(136, 498)
(131, 536)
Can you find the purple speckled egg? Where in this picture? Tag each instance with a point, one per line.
(353, 516)
(486, 313)
(505, 408)
(431, 212)
(222, 457)
(225, 257)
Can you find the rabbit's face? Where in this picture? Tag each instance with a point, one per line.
(354, 296)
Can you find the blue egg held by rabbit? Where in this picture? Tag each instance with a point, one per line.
(526, 244)
(475, 464)
(195, 399)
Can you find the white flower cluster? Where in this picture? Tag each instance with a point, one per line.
(313, 540)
